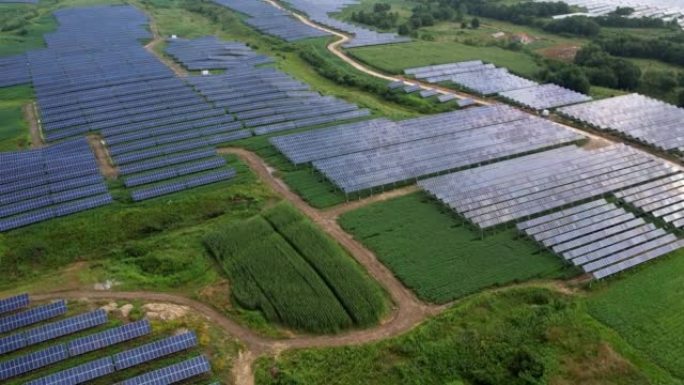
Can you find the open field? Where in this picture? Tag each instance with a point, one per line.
(437, 256)
(280, 264)
(397, 57)
(518, 336)
(13, 128)
(646, 308)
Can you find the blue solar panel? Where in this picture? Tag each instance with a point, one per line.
(33, 361)
(78, 374)
(109, 337)
(14, 303)
(172, 374)
(65, 327)
(32, 316)
(154, 350)
(12, 343)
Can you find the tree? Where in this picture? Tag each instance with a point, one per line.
(661, 81)
(475, 23)
(404, 29)
(628, 74)
(681, 98)
(464, 25)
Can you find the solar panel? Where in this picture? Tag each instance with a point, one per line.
(154, 350)
(79, 374)
(66, 326)
(32, 316)
(109, 337)
(33, 361)
(14, 303)
(12, 342)
(172, 374)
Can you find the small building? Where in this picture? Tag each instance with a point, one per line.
(523, 38)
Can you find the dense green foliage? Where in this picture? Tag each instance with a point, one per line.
(646, 307)
(283, 266)
(381, 16)
(576, 25)
(517, 337)
(437, 256)
(607, 71)
(669, 49)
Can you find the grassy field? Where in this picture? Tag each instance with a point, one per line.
(220, 348)
(438, 257)
(515, 337)
(397, 57)
(282, 265)
(13, 128)
(646, 307)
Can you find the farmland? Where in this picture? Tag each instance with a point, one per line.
(438, 257)
(518, 336)
(646, 309)
(280, 264)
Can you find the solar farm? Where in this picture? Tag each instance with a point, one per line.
(222, 192)
(42, 345)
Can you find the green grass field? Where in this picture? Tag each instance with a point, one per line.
(395, 58)
(13, 128)
(438, 257)
(646, 307)
(219, 348)
(282, 265)
(515, 337)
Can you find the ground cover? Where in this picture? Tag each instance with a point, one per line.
(440, 258)
(282, 265)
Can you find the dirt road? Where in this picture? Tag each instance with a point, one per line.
(29, 111)
(106, 167)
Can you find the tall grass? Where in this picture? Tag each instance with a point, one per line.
(283, 266)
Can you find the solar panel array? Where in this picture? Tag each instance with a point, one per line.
(32, 316)
(476, 76)
(320, 11)
(544, 97)
(271, 20)
(634, 116)
(14, 71)
(519, 188)
(266, 100)
(50, 182)
(600, 237)
(41, 359)
(662, 198)
(377, 153)
(96, 76)
(210, 53)
(11, 304)
(173, 373)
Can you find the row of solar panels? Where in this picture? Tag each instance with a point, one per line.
(600, 237)
(19, 365)
(496, 194)
(634, 116)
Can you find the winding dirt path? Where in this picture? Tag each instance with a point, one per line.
(336, 48)
(156, 40)
(102, 157)
(31, 116)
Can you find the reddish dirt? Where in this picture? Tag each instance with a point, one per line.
(562, 52)
(103, 161)
(29, 111)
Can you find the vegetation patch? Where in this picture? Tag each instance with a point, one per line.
(437, 256)
(647, 308)
(516, 337)
(13, 128)
(282, 265)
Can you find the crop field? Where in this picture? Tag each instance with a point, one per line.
(219, 348)
(646, 307)
(281, 264)
(519, 336)
(438, 257)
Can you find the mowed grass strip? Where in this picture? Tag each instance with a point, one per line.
(646, 306)
(438, 257)
(293, 274)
